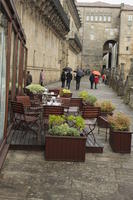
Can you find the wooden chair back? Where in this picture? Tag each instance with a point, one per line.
(65, 102)
(76, 102)
(91, 112)
(25, 100)
(52, 110)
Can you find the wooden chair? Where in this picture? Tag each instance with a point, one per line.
(23, 121)
(76, 102)
(102, 122)
(91, 114)
(75, 106)
(51, 110)
(30, 108)
(65, 102)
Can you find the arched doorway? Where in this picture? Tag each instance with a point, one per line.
(110, 54)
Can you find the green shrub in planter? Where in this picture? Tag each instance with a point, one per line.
(55, 120)
(64, 130)
(87, 98)
(70, 125)
(77, 121)
(35, 88)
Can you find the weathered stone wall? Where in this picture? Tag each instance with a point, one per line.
(44, 47)
(46, 50)
(126, 40)
(72, 59)
(96, 33)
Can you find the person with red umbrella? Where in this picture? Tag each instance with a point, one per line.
(96, 78)
(96, 81)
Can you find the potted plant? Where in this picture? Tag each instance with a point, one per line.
(64, 141)
(35, 88)
(87, 99)
(120, 135)
(107, 107)
(65, 93)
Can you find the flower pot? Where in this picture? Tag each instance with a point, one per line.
(67, 95)
(65, 148)
(120, 141)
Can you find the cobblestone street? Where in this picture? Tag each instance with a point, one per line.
(107, 176)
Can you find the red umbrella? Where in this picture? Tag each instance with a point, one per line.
(96, 73)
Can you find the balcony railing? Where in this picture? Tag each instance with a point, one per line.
(62, 13)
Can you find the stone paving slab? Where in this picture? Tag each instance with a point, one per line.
(107, 176)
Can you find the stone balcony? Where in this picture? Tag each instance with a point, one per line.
(75, 43)
(54, 15)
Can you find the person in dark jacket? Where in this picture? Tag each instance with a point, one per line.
(63, 78)
(28, 78)
(92, 80)
(69, 78)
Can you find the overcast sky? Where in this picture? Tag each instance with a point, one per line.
(110, 1)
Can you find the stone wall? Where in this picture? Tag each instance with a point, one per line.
(44, 47)
(126, 39)
(95, 32)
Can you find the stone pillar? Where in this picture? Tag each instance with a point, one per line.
(121, 80)
(128, 84)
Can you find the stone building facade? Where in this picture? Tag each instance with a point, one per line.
(106, 32)
(46, 25)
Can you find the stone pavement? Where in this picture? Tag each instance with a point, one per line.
(107, 176)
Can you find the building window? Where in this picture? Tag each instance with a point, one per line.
(127, 48)
(104, 18)
(92, 18)
(100, 18)
(96, 18)
(109, 18)
(130, 18)
(91, 36)
(87, 18)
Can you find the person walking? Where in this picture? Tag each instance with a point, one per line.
(69, 78)
(92, 80)
(78, 78)
(103, 78)
(41, 79)
(96, 81)
(28, 78)
(63, 78)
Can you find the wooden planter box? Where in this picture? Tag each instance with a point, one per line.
(65, 148)
(120, 142)
(67, 95)
(105, 114)
(86, 106)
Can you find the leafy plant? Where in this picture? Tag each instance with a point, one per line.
(64, 130)
(76, 121)
(62, 125)
(64, 91)
(106, 106)
(55, 120)
(35, 88)
(119, 122)
(87, 98)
